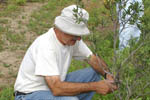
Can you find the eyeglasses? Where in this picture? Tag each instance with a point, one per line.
(76, 38)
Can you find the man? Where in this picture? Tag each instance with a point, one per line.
(128, 31)
(43, 71)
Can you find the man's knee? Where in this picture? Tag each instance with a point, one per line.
(93, 73)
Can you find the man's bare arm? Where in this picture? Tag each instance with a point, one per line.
(60, 88)
(98, 64)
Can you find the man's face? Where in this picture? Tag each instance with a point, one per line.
(66, 39)
(70, 39)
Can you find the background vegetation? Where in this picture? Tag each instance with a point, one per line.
(130, 66)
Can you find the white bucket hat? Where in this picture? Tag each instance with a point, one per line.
(68, 23)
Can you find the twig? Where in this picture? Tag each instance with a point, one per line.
(129, 92)
(131, 54)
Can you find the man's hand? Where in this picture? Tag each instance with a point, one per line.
(105, 86)
(110, 77)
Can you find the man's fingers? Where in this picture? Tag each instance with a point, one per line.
(111, 81)
(112, 85)
(110, 77)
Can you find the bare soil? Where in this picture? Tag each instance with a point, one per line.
(10, 60)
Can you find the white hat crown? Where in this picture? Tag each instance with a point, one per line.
(73, 20)
(74, 12)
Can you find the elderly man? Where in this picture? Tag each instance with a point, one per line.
(43, 71)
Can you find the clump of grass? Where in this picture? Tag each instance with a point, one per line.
(23, 17)
(1, 44)
(1, 47)
(1, 74)
(10, 10)
(11, 7)
(1, 33)
(3, 21)
(2, 29)
(15, 38)
(6, 65)
(10, 71)
(36, 0)
(21, 2)
(6, 93)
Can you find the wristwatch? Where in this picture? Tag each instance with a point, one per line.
(105, 75)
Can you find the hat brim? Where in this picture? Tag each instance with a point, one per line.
(71, 27)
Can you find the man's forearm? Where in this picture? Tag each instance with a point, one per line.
(60, 88)
(71, 89)
(102, 68)
(98, 64)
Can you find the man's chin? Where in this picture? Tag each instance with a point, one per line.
(72, 43)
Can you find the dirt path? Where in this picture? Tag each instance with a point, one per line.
(10, 60)
(23, 19)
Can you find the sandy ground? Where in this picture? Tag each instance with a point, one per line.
(10, 60)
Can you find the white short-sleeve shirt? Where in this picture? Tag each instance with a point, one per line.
(47, 57)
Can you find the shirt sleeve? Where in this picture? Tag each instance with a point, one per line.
(46, 64)
(81, 51)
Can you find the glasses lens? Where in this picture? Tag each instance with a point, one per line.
(76, 37)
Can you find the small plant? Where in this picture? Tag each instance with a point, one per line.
(6, 65)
